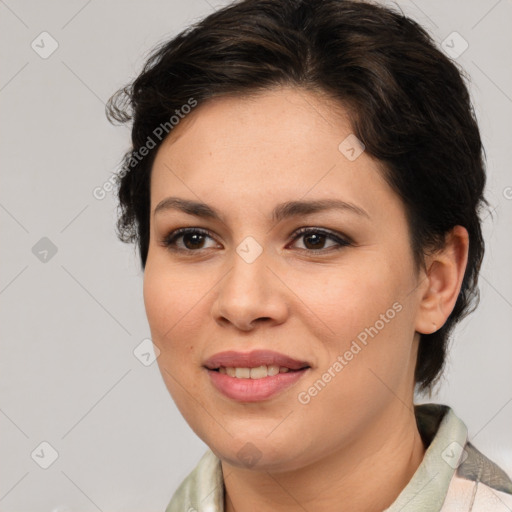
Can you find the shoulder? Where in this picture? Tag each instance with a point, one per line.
(478, 485)
(454, 476)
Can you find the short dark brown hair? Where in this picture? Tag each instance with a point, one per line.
(408, 104)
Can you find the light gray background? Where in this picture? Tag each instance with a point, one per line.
(70, 325)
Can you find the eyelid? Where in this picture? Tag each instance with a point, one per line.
(177, 233)
(340, 238)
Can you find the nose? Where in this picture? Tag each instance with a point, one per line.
(250, 294)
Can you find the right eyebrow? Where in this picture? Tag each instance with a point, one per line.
(187, 206)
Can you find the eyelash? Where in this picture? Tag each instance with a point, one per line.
(170, 240)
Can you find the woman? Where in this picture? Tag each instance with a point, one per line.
(304, 187)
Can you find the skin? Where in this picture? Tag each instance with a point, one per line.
(356, 442)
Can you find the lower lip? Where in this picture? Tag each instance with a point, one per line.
(254, 390)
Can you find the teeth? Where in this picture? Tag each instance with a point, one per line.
(259, 372)
(272, 370)
(242, 373)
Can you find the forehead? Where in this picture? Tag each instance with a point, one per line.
(284, 144)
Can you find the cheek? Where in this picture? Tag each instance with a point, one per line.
(358, 379)
(172, 307)
(368, 315)
(170, 297)
(345, 300)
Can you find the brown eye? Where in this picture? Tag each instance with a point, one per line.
(314, 239)
(192, 239)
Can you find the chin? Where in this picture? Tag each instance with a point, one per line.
(258, 454)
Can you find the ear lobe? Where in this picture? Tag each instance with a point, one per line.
(444, 277)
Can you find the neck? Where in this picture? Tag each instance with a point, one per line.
(367, 475)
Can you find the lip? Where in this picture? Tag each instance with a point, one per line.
(234, 359)
(254, 390)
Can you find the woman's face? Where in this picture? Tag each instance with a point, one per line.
(341, 300)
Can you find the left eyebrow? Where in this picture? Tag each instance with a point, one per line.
(280, 212)
(296, 208)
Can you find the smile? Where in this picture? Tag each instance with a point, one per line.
(255, 376)
(259, 372)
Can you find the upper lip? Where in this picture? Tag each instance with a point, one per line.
(233, 359)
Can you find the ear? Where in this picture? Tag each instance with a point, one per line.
(445, 272)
